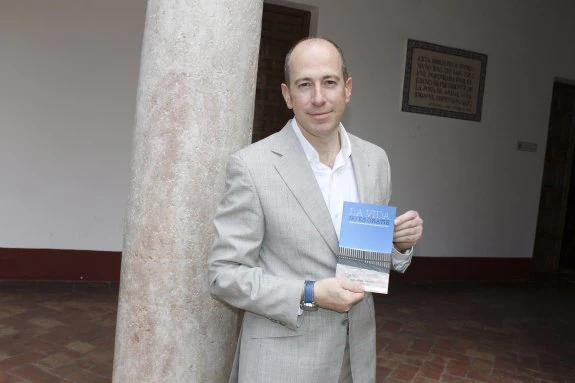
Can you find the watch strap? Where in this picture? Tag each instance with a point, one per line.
(308, 292)
(308, 301)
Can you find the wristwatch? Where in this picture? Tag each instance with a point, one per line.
(308, 302)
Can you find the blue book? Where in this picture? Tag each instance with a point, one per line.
(365, 245)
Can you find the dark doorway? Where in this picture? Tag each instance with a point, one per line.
(567, 257)
(281, 28)
(554, 241)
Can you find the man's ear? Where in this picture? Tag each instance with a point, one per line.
(348, 85)
(287, 97)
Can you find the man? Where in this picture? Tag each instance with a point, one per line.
(277, 230)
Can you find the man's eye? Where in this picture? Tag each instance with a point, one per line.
(330, 83)
(304, 84)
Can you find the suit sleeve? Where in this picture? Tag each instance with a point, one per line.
(234, 274)
(399, 261)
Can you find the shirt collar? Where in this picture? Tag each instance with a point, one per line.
(309, 150)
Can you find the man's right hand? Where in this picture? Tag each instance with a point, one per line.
(338, 294)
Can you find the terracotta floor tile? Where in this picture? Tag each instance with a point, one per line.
(450, 354)
(445, 343)
(74, 374)
(446, 378)
(46, 323)
(481, 364)
(398, 346)
(35, 374)
(432, 370)
(391, 326)
(7, 331)
(505, 363)
(386, 361)
(479, 375)
(55, 360)
(5, 378)
(458, 368)
(19, 360)
(382, 373)
(405, 372)
(81, 347)
(426, 334)
(422, 356)
(481, 355)
(421, 345)
(422, 379)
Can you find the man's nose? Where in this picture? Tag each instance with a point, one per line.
(317, 97)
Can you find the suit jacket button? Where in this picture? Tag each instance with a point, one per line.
(344, 322)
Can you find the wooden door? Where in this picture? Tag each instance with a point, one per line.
(567, 259)
(282, 27)
(556, 177)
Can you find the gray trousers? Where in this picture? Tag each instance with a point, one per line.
(345, 374)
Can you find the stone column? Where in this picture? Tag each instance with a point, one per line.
(194, 107)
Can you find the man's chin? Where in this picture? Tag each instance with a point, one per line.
(324, 130)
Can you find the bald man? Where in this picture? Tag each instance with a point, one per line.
(277, 230)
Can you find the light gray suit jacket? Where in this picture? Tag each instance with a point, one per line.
(273, 232)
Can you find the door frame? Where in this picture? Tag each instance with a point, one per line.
(542, 262)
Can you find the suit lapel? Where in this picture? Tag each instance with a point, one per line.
(361, 169)
(293, 167)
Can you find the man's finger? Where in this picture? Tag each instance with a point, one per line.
(407, 231)
(355, 287)
(409, 225)
(412, 239)
(408, 216)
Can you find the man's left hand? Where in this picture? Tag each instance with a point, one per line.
(408, 230)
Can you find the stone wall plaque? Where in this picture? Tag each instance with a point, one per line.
(443, 81)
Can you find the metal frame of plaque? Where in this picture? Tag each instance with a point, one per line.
(443, 81)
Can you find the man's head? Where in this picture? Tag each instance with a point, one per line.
(317, 86)
(288, 58)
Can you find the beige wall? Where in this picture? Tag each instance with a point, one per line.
(68, 82)
(68, 79)
(478, 195)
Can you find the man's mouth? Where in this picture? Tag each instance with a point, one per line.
(319, 114)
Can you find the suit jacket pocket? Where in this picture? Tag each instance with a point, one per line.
(256, 326)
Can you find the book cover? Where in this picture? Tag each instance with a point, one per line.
(365, 245)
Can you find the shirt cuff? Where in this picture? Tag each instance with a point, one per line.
(400, 260)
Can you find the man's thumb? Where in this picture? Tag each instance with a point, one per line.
(355, 287)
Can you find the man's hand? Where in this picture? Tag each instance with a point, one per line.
(408, 230)
(338, 294)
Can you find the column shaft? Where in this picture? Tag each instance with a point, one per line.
(194, 107)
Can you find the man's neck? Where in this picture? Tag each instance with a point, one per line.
(327, 147)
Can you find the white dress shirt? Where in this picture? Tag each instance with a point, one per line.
(337, 184)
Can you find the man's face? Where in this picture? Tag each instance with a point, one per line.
(317, 92)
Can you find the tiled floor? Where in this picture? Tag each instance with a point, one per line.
(462, 333)
(53, 334)
(426, 333)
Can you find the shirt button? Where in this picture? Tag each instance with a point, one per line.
(344, 322)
